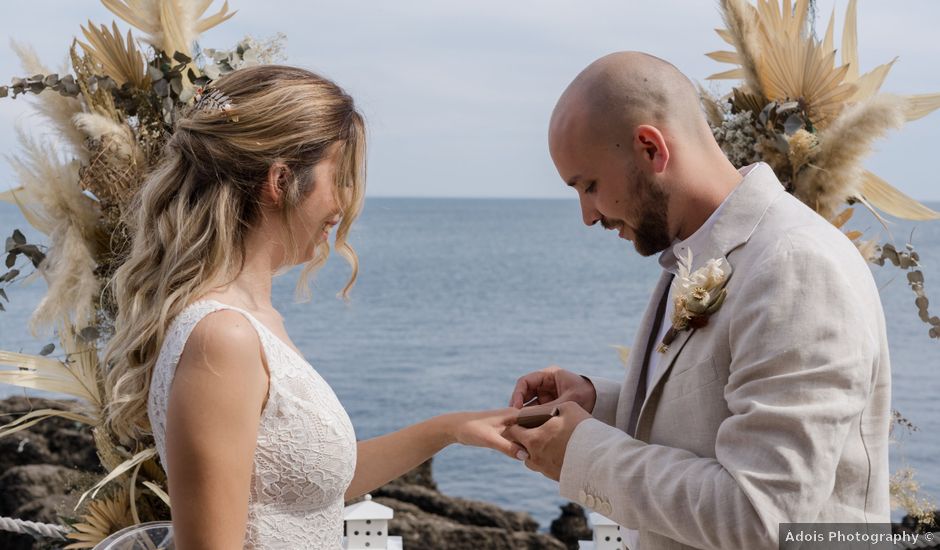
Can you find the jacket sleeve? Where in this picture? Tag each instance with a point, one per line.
(800, 376)
(608, 394)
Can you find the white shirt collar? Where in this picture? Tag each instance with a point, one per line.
(667, 258)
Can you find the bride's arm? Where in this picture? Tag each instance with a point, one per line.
(382, 459)
(213, 415)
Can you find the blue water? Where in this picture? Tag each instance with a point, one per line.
(458, 298)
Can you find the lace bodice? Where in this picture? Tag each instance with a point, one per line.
(306, 451)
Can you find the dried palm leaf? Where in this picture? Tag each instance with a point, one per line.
(161, 494)
(850, 41)
(124, 467)
(869, 83)
(171, 25)
(35, 417)
(890, 200)
(119, 58)
(785, 61)
(102, 518)
(46, 374)
(623, 353)
(919, 106)
(842, 217)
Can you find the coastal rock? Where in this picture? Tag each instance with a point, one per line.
(52, 441)
(571, 526)
(423, 530)
(459, 510)
(36, 492)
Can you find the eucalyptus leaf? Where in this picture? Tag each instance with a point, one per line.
(47, 349)
(11, 260)
(11, 244)
(1, 307)
(3, 294)
(18, 237)
(4, 91)
(88, 334)
(794, 122)
(155, 73)
(161, 87)
(181, 57)
(915, 277)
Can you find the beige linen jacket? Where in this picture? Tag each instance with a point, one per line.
(777, 411)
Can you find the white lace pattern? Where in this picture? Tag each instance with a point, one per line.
(306, 450)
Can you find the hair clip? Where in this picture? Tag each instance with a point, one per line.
(214, 100)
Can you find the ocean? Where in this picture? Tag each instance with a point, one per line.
(457, 298)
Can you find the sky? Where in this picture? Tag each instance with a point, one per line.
(457, 94)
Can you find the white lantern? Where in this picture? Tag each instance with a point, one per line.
(367, 526)
(606, 534)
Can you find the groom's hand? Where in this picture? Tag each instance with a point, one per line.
(543, 448)
(554, 385)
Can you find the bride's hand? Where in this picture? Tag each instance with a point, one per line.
(484, 428)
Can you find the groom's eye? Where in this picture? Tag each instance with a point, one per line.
(591, 187)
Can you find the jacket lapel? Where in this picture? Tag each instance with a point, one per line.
(736, 223)
(637, 352)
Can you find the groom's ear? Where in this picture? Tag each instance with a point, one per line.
(650, 148)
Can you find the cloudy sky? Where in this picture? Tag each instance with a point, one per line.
(457, 94)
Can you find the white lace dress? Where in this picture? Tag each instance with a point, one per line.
(306, 451)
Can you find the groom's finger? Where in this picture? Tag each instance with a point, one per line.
(523, 390)
(540, 383)
(518, 434)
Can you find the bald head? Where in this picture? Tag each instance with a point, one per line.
(622, 90)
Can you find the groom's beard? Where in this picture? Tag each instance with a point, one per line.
(652, 233)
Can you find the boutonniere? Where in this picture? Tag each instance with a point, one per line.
(696, 295)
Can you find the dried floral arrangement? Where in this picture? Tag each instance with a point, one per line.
(813, 121)
(112, 108)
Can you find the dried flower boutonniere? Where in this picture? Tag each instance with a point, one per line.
(696, 295)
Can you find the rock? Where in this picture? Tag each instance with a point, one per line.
(457, 509)
(571, 526)
(36, 492)
(421, 476)
(421, 530)
(53, 441)
(22, 486)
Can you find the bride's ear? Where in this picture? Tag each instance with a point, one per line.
(272, 192)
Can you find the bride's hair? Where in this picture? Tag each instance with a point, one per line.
(191, 216)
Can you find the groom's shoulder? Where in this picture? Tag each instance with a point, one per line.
(791, 229)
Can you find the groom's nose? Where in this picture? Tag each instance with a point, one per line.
(589, 213)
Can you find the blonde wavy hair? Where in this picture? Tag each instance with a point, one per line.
(194, 210)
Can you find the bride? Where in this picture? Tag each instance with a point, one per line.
(259, 453)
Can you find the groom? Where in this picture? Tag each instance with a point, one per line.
(770, 406)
